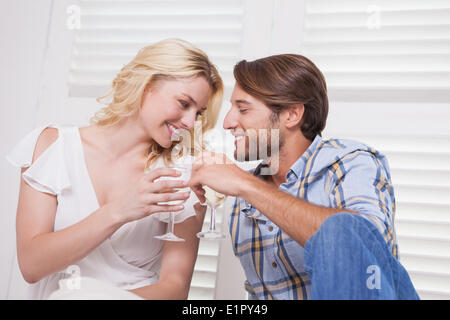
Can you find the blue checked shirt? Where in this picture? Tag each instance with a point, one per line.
(331, 173)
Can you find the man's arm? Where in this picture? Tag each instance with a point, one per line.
(298, 218)
(365, 189)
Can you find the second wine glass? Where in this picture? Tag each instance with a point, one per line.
(214, 200)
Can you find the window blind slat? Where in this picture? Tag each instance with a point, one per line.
(424, 245)
(417, 210)
(396, 46)
(387, 93)
(199, 293)
(150, 35)
(435, 32)
(431, 281)
(204, 279)
(432, 295)
(426, 194)
(206, 263)
(425, 262)
(161, 20)
(424, 177)
(413, 160)
(389, 18)
(103, 61)
(172, 7)
(208, 248)
(386, 62)
(412, 79)
(319, 6)
(423, 227)
(124, 46)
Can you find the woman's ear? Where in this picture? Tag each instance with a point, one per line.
(294, 115)
(145, 94)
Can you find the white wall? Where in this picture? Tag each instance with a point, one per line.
(23, 33)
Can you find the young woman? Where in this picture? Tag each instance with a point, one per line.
(86, 215)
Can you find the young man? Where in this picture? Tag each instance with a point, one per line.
(321, 224)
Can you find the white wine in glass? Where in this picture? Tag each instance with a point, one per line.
(214, 200)
(185, 174)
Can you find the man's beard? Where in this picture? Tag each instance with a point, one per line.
(260, 144)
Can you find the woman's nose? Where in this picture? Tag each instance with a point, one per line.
(187, 122)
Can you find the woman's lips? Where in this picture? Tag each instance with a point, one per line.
(174, 132)
(168, 129)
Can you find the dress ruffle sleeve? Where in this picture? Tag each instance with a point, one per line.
(48, 173)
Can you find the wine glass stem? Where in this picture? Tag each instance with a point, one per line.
(212, 226)
(171, 222)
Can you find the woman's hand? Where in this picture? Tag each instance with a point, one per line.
(143, 197)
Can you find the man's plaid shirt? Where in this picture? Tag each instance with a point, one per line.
(331, 173)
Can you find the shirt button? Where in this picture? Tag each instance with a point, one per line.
(270, 228)
(274, 264)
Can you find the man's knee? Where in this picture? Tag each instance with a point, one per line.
(342, 227)
(337, 223)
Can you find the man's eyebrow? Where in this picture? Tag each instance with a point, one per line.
(190, 98)
(242, 102)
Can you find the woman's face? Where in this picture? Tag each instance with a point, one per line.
(172, 105)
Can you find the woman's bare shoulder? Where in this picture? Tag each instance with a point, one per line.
(47, 137)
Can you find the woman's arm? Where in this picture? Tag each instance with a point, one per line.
(41, 251)
(178, 262)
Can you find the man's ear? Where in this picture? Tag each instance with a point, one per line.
(294, 115)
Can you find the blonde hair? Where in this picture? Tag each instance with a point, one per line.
(164, 60)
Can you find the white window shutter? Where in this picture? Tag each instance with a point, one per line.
(112, 32)
(387, 66)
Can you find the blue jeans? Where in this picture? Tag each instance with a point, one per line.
(347, 258)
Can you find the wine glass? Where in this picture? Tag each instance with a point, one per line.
(185, 175)
(214, 200)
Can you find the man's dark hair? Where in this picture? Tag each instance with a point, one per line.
(281, 81)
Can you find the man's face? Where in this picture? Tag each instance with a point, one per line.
(253, 125)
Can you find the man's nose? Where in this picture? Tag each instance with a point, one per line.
(230, 121)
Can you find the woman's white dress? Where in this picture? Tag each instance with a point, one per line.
(129, 259)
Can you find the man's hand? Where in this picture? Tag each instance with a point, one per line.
(218, 172)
